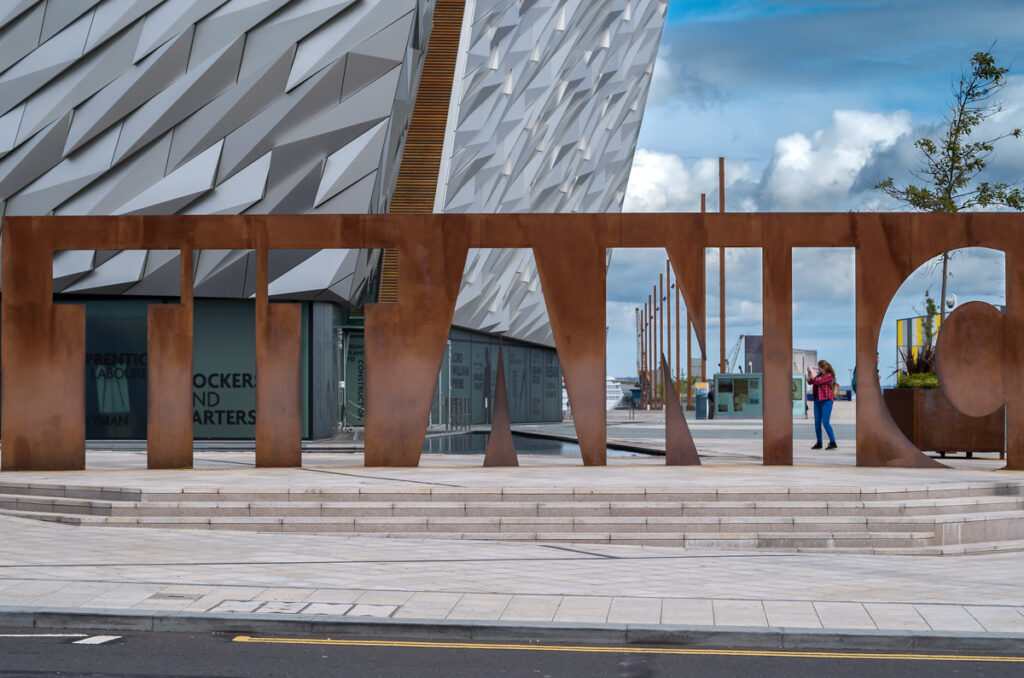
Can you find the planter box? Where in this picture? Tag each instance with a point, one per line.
(931, 422)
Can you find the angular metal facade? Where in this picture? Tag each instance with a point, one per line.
(301, 106)
(206, 107)
(547, 105)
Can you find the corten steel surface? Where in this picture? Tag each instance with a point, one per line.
(278, 372)
(500, 449)
(928, 419)
(405, 341)
(572, 261)
(686, 252)
(1013, 355)
(969, 359)
(43, 423)
(43, 345)
(776, 393)
(680, 449)
(169, 377)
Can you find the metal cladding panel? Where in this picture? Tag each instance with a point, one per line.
(268, 106)
(207, 106)
(546, 109)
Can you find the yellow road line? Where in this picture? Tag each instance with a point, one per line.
(628, 650)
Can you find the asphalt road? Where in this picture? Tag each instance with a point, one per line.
(130, 654)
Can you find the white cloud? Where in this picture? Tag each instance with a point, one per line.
(819, 171)
(661, 182)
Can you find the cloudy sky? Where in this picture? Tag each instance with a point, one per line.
(811, 103)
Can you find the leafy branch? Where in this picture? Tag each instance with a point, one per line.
(951, 164)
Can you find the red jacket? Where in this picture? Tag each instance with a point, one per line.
(822, 386)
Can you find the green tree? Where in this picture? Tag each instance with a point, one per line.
(952, 164)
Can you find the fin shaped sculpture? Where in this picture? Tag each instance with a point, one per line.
(500, 449)
(680, 449)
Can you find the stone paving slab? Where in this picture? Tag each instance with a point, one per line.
(47, 566)
(451, 478)
(263, 576)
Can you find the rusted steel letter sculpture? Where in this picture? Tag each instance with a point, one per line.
(43, 345)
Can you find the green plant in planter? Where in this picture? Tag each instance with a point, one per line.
(919, 371)
(919, 380)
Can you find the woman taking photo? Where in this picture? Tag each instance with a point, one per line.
(825, 386)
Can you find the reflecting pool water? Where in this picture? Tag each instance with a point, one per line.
(476, 443)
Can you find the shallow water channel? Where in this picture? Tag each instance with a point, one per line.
(476, 443)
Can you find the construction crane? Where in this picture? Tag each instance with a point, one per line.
(734, 354)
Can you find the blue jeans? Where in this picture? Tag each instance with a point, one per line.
(822, 414)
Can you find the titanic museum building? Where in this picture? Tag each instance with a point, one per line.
(119, 107)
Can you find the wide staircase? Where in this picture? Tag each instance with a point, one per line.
(946, 520)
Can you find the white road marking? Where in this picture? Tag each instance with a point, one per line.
(95, 640)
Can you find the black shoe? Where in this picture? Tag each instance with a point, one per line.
(816, 446)
(832, 446)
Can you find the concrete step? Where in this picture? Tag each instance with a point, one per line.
(938, 535)
(745, 510)
(951, 529)
(399, 528)
(757, 495)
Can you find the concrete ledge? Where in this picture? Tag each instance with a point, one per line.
(735, 637)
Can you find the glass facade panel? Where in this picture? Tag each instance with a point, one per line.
(355, 379)
(115, 369)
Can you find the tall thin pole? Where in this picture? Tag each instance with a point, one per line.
(689, 363)
(721, 272)
(650, 350)
(703, 357)
(661, 337)
(679, 293)
(640, 352)
(668, 314)
(654, 353)
(643, 364)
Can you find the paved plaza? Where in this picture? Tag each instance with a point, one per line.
(53, 566)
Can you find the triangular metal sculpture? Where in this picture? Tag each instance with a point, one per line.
(500, 449)
(679, 447)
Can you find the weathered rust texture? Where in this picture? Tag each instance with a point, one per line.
(1013, 352)
(43, 357)
(278, 372)
(1002, 232)
(501, 451)
(169, 377)
(575, 296)
(685, 247)
(680, 449)
(930, 421)
(883, 263)
(405, 341)
(776, 391)
(43, 346)
(969, 359)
